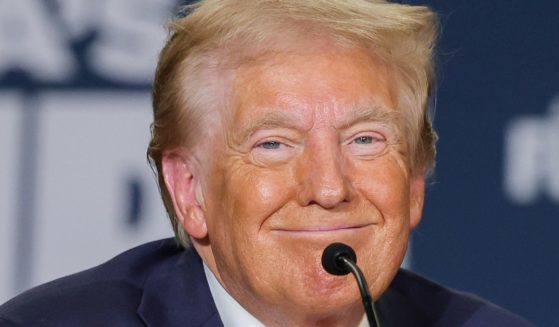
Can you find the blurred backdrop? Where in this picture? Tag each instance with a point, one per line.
(76, 189)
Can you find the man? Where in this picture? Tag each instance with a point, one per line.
(280, 127)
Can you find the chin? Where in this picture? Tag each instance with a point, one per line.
(327, 304)
(319, 291)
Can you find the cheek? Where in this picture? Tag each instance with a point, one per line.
(262, 192)
(385, 186)
(248, 196)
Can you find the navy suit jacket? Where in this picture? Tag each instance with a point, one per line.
(161, 284)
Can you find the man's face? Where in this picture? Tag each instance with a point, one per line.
(312, 153)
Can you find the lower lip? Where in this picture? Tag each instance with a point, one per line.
(321, 232)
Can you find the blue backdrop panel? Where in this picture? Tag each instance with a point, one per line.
(492, 211)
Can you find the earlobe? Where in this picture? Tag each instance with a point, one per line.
(417, 197)
(183, 186)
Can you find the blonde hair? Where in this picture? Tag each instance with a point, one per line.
(214, 34)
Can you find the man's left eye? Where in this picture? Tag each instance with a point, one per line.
(367, 145)
(364, 140)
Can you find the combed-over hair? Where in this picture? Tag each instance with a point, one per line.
(214, 34)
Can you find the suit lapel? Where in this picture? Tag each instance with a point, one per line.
(177, 294)
(413, 301)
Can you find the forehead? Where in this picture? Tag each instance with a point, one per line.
(331, 84)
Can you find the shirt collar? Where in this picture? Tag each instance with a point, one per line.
(231, 312)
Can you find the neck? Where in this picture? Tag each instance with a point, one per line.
(276, 316)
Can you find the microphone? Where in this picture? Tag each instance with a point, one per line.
(339, 259)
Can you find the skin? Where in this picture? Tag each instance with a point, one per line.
(310, 153)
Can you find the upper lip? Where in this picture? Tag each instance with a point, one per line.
(322, 228)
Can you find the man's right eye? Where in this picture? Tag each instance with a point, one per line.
(269, 145)
(272, 152)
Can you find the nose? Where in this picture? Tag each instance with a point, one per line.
(323, 179)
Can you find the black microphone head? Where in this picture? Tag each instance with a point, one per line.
(331, 258)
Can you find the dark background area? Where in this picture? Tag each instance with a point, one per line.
(498, 61)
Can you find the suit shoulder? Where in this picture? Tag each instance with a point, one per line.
(110, 292)
(436, 305)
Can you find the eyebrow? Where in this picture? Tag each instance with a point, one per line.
(272, 119)
(278, 119)
(389, 117)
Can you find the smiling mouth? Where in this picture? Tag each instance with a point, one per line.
(323, 229)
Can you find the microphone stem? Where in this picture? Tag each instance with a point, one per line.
(364, 289)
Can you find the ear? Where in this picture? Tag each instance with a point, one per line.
(417, 196)
(184, 188)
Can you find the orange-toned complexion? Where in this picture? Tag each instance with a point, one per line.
(312, 152)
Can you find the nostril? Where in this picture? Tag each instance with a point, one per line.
(329, 197)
